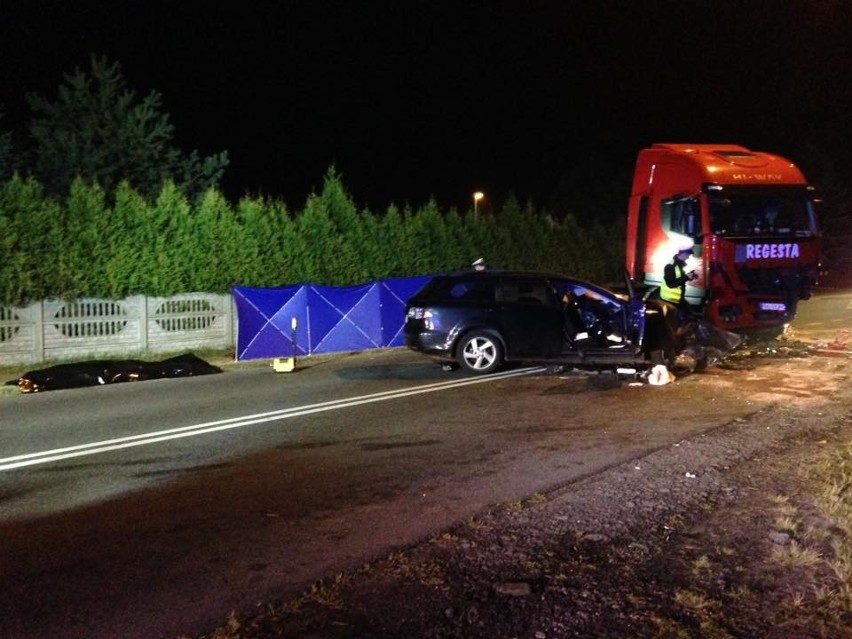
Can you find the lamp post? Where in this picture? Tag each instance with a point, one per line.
(478, 195)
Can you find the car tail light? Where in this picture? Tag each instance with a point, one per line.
(417, 312)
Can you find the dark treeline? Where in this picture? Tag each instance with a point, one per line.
(94, 244)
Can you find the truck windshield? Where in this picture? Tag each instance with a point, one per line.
(762, 211)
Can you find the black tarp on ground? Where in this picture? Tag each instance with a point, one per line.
(700, 345)
(98, 372)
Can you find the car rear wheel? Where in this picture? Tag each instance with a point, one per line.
(480, 353)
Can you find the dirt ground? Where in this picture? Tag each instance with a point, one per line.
(720, 535)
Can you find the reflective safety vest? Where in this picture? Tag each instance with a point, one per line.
(675, 294)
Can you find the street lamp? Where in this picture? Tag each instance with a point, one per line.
(478, 195)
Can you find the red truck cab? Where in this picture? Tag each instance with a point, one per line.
(752, 220)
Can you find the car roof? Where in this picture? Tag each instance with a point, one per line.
(495, 272)
(492, 273)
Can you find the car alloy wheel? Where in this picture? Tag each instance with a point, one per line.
(480, 353)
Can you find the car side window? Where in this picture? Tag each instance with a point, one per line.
(524, 291)
(592, 298)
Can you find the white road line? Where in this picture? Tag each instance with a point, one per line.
(92, 448)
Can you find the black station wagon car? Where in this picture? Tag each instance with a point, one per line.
(482, 319)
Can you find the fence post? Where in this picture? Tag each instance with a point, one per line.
(228, 304)
(38, 331)
(143, 322)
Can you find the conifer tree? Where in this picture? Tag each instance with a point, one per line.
(129, 260)
(457, 253)
(31, 228)
(258, 241)
(291, 257)
(169, 243)
(371, 248)
(218, 252)
(392, 235)
(100, 130)
(82, 242)
(344, 249)
(318, 231)
(428, 234)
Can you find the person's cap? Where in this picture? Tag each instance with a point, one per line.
(479, 261)
(685, 248)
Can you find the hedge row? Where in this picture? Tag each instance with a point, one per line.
(90, 245)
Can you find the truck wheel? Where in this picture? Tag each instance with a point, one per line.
(479, 352)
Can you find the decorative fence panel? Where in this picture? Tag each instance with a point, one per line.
(59, 330)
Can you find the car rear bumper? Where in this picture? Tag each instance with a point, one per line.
(429, 344)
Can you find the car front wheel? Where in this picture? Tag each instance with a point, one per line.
(480, 353)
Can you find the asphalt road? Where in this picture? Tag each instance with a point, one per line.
(154, 509)
(826, 318)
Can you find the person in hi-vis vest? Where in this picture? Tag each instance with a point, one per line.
(675, 277)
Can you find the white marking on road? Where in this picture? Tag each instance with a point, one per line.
(58, 454)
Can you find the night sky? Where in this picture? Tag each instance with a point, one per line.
(412, 99)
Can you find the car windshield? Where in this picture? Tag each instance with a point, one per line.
(762, 211)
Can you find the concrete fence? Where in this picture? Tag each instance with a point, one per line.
(88, 328)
